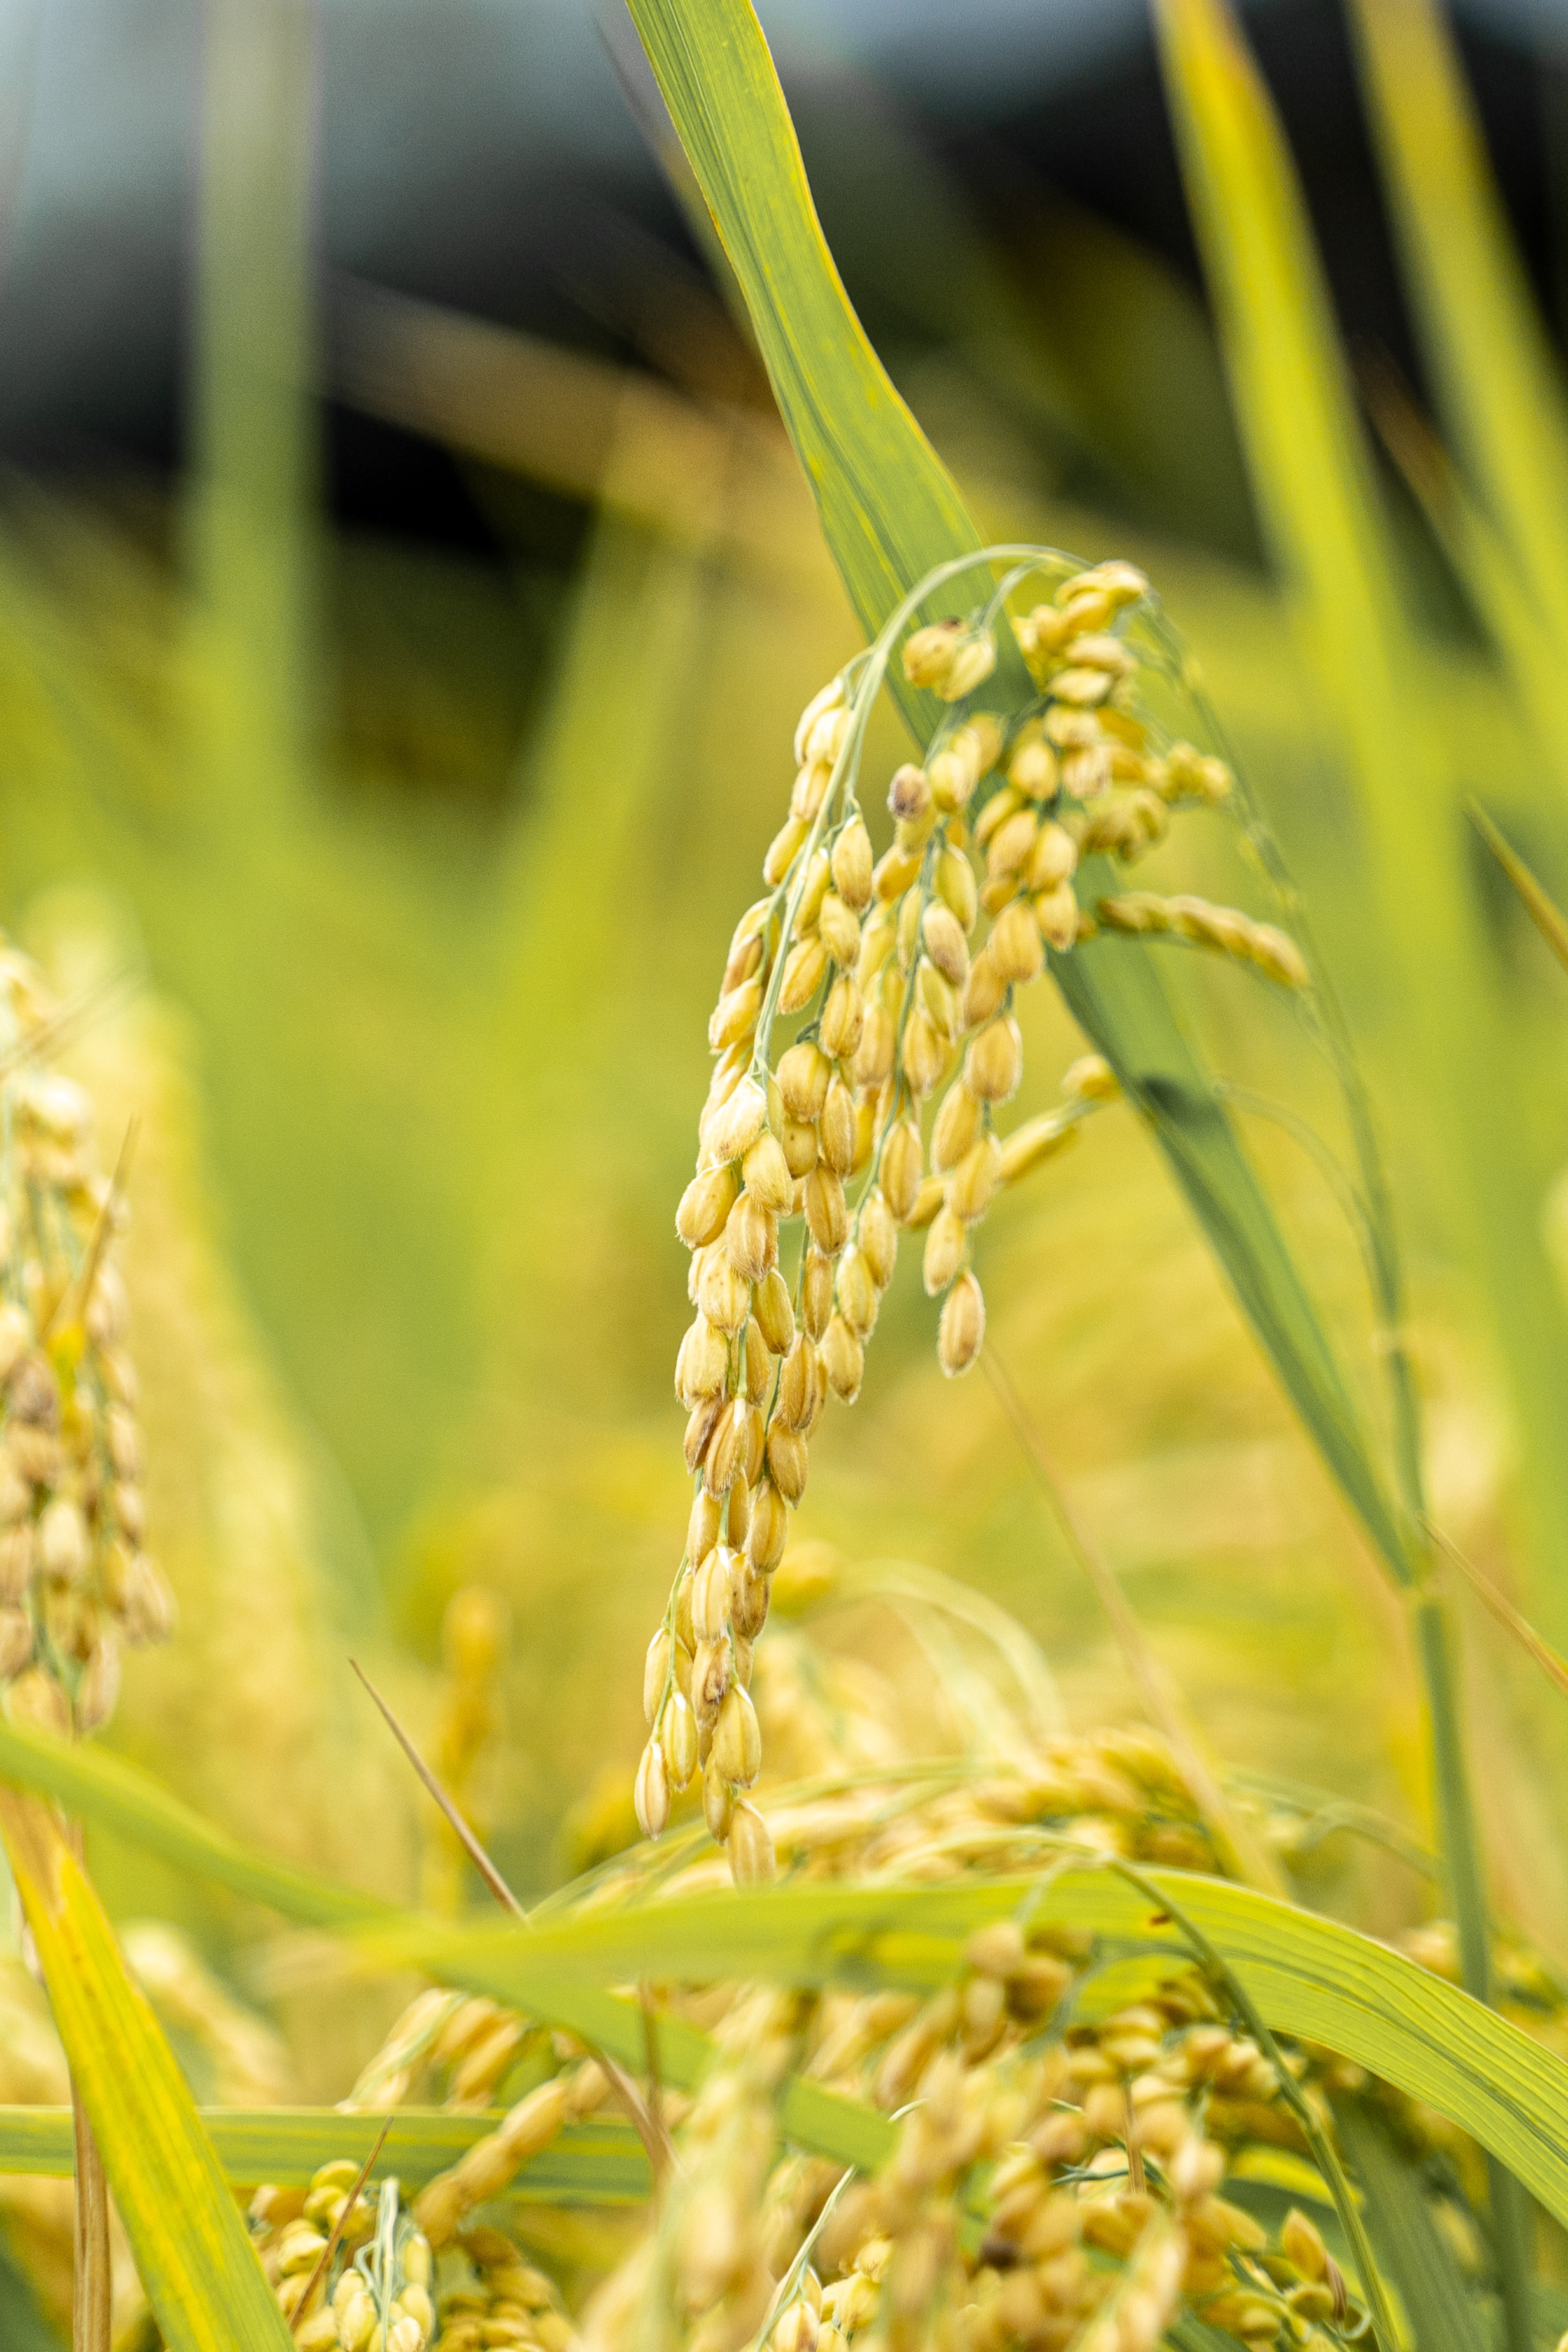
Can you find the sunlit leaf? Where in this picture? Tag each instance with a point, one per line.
(112, 1794)
(197, 2263)
(1317, 498)
(1307, 1976)
(1482, 334)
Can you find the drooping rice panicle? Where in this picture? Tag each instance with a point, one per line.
(882, 1113)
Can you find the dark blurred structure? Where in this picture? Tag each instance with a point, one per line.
(482, 157)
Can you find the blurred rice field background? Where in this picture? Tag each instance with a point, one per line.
(394, 881)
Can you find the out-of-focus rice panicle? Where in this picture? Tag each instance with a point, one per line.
(244, 2060)
(246, 1713)
(75, 1585)
(473, 1643)
(1064, 2145)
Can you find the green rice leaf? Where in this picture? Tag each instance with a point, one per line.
(1411, 2249)
(1519, 622)
(1307, 1976)
(891, 513)
(599, 2161)
(1542, 910)
(889, 510)
(1498, 381)
(102, 1788)
(1317, 498)
(197, 2263)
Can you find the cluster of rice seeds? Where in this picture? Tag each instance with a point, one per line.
(1224, 929)
(704, 2277)
(508, 2303)
(490, 2165)
(1053, 2182)
(1058, 2177)
(1118, 1793)
(375, 2294)
(896, 1015)
(467, 2042)
(1102, 2214)
(475, 2047)
(714, 2240)
(75, 1583)
(502, 2301)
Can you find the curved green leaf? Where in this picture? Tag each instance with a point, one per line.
(197, 2263)
(889, 510)
(1309, 1976)
(101, 1787)
(1317, 497)
(1501, 383)
(891, 513)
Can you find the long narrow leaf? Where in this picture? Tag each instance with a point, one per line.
(113, 1795)
(1313, 481)
(1542, 910)
(1410, 2247)
(889, 510)
(597, 2162)
(1498, 381)
(1501, 591)
(891, 514)
(197, 2263)
(1309, 1976)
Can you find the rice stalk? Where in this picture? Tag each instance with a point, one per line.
(870, 959)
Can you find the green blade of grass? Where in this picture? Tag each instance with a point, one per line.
(1542, 911)
(1409, 2246)
(596, 2162)
(1488, 350)
(889, 509)
(1501, 591)
(195, 2261)
(100, 1787)
(891, 514)
(1317, 497)
(1309, 1976)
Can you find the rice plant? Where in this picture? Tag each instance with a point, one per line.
(923, 2021)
